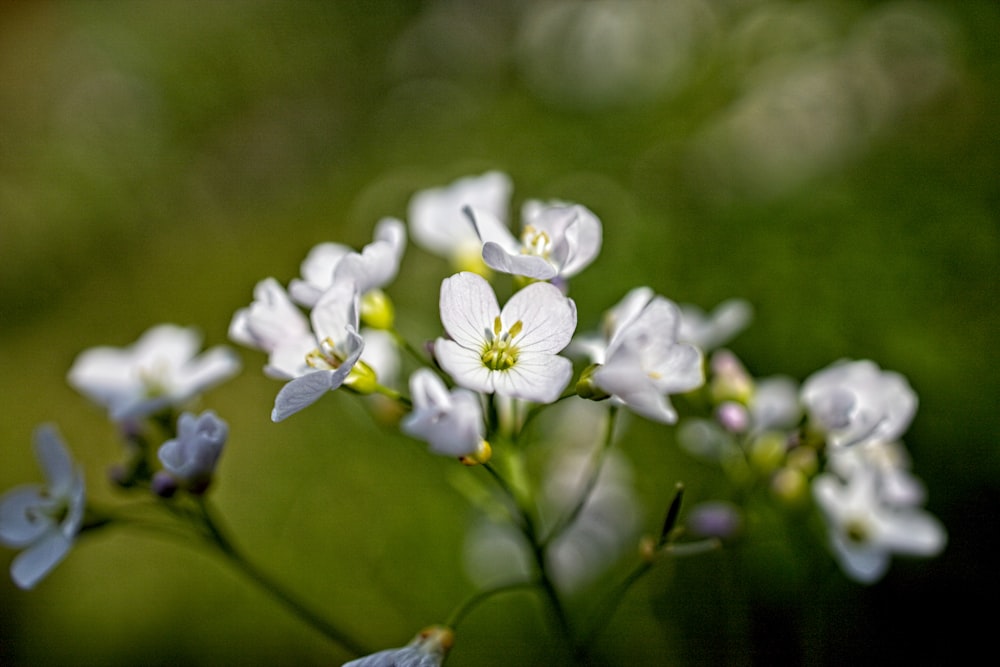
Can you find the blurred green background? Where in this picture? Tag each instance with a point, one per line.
(836, 163)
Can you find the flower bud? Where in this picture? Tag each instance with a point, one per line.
(362, 379)
(587, 388)
(377, 310)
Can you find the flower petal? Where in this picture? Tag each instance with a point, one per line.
(535, 377)
(464, 365)
(31, 565)
(548, 318)
(468, 309)
(530, 266)
(303, 391)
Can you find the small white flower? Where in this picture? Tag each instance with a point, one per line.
(374, 267)
(513, 352)
(43, 521)
(891, 465)
(272, 324)
(451, 422)
(864, 531)
(161, 369)
(428, 649)
(712, 330)
(640, 360)
(438, 224)
(191, 456)
(856, 402)
(337, 348)
(557, 240)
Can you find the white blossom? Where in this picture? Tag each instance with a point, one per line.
(191, 456)
(640, 360)
(439, 225)
(864, 531)
(337, 347)
(43, 521)
(512, 352)
(273, 324)
(557, 240)
(161, 369)
(373, 268)
(451, 422)
(853, 402)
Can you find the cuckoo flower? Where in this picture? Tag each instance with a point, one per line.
(864, 531)
(557, 240)
(854, 402)
(514, 351)
(373, 268)
(337, 347)
(272, 324)
(190, 458)
(161, 369)
(639, 360)
(438, 224)
(451, 422)
(43, 521)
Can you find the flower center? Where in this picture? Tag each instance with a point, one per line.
(326, 357)
(499, 351)
(535, 242)
(856, 531)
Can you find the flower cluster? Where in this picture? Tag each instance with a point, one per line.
(556, 504)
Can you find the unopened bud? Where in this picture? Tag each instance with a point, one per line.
(362, 379)
(587, 388)
(482, 455)
(377, 310)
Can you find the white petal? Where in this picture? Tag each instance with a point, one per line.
(468, 309)
(317, 272)
(303, 391)
(335, 311)
(32, 564)
(548, 318)
(55, 461)
(534, 377)
(514, 263)
(464, 365)
(437, 222)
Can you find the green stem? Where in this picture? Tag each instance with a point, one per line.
(474, 601)
(609, 605)
(217, 537)
(527, 526)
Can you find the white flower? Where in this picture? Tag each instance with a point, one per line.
(856, 402)
(428, 649)
(439, 225)
(557, 240)
(374, 267)
(864, 531)
(891, 465)
(337, 348)
(191, 456)
(43, 521)
(641, 361)
(451, 422)
(712, 330)
(513, 352)
(272, 324)
(161, 369)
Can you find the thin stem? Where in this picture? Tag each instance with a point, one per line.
(609, 605)
(251, 571)
(530, 532)
(474, 601)
(596, 465)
